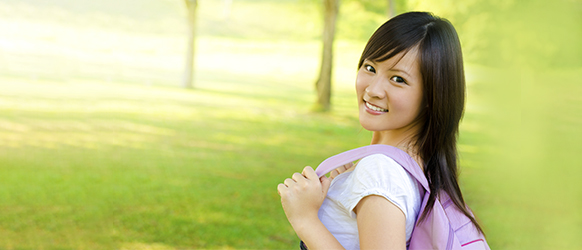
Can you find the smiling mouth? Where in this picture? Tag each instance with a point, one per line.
(375, 108)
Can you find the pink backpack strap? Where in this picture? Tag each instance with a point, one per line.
(395, 153)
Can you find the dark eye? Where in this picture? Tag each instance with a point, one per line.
(370, 68)
(398, 79)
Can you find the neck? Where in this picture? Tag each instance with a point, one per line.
(402, 139)
(399, 140)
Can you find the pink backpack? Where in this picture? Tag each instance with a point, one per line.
(445, 227)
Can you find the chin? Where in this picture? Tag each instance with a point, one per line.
(372, 127)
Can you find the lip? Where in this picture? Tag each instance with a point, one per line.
(371, 111)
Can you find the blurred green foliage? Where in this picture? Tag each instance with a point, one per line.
(515, 33)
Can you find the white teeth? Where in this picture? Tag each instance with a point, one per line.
(372, 107)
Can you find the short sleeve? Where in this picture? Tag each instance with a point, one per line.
(380, 175)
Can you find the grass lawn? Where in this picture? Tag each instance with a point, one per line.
(89, 165)
(100, 150)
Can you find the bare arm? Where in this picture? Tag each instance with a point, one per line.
(315, 235)
(381, 224)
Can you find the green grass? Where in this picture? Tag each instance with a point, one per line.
(88, 165)
(100, 150)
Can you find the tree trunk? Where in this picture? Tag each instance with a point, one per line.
(190, 54)
(323, 84)
(391, 9)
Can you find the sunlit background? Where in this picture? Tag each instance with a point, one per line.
(102, 148)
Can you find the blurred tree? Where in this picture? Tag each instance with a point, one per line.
(189, 72)
(391, 9)
(323, 84)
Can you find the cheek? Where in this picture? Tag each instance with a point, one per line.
(417, 106)
(360, 86)
(410, 104)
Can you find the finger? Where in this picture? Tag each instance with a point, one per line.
(281, 188)
(288, 182)
(347, 166)
(297, 177)
(309, 173)
(325, 183)
(334, 173)
(342, 168)
(337, 171)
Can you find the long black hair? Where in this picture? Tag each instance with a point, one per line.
(443, 77)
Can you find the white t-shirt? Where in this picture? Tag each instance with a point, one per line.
(374, 175)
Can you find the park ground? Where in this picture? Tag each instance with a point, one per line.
(100, 148)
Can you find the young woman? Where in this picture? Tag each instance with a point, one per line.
(410, 88)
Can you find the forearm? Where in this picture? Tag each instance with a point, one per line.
(314, 234)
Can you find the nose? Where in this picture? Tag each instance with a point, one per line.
(376, 88)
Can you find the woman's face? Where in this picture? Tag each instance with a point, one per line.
(390, 95)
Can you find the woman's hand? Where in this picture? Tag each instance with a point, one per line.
(302, 195)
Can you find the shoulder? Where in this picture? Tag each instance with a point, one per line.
(380, 166)
(377, 159)
(382, 176)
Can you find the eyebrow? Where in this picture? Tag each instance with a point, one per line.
(402, 71)
(391, 69)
